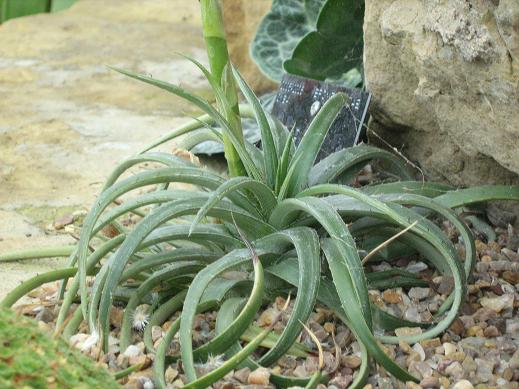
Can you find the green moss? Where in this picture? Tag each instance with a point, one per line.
(30, 358)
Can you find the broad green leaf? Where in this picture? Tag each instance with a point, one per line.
(478, 194)
(21, 290)
(335, 47)
(280, 31)
(148, 227)
(157, 157)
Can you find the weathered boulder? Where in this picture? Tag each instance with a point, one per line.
(241, 20)
(445, 81)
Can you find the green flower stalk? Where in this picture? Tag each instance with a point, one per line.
(216, 44)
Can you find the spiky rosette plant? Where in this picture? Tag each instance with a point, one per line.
(284, 220)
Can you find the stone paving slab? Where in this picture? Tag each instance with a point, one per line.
(66, 119)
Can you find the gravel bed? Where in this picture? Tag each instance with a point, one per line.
(480, 350)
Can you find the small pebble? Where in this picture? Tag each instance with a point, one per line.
(449, 348)
(170, 375)
(491, 332)
(351, 361)
(267, 317)
(469, 365)
(391, 296)
(457, 327)
(242, 375)
(418, 293)
(63, 221)
(341, 381)
(463, 384)
(513, 363)
(431, 343)
(475, 331)
(260, 376)
(512, 327)
(407, 331)
(430, 382)
(417, 347)
(329, 327)
(156, 333)
(446, 285)
(454, 370)
(499, 303)
(416, 267)
(45, 315)
(385, 383)
(132, 351)
(485, 369)
(300, 371)
(287, 361)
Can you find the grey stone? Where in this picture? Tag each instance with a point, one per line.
(498, 303)
(454, 370)
(430, 382)
(484, 370)
(45, 315)
(512, 327)
(419, 293)
(385, 383)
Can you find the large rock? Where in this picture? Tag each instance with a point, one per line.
(241, 20)
(445, 80)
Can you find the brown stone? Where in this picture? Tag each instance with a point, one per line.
(475, 331)
(260, 376)
(444, 82)
(430, 382)
(392, 297)
(511, 276)
(242, 375)
(351, 361)
(241, 21)
(457, 327)
(491, 332)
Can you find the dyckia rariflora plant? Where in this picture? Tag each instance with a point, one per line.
(282, 219)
